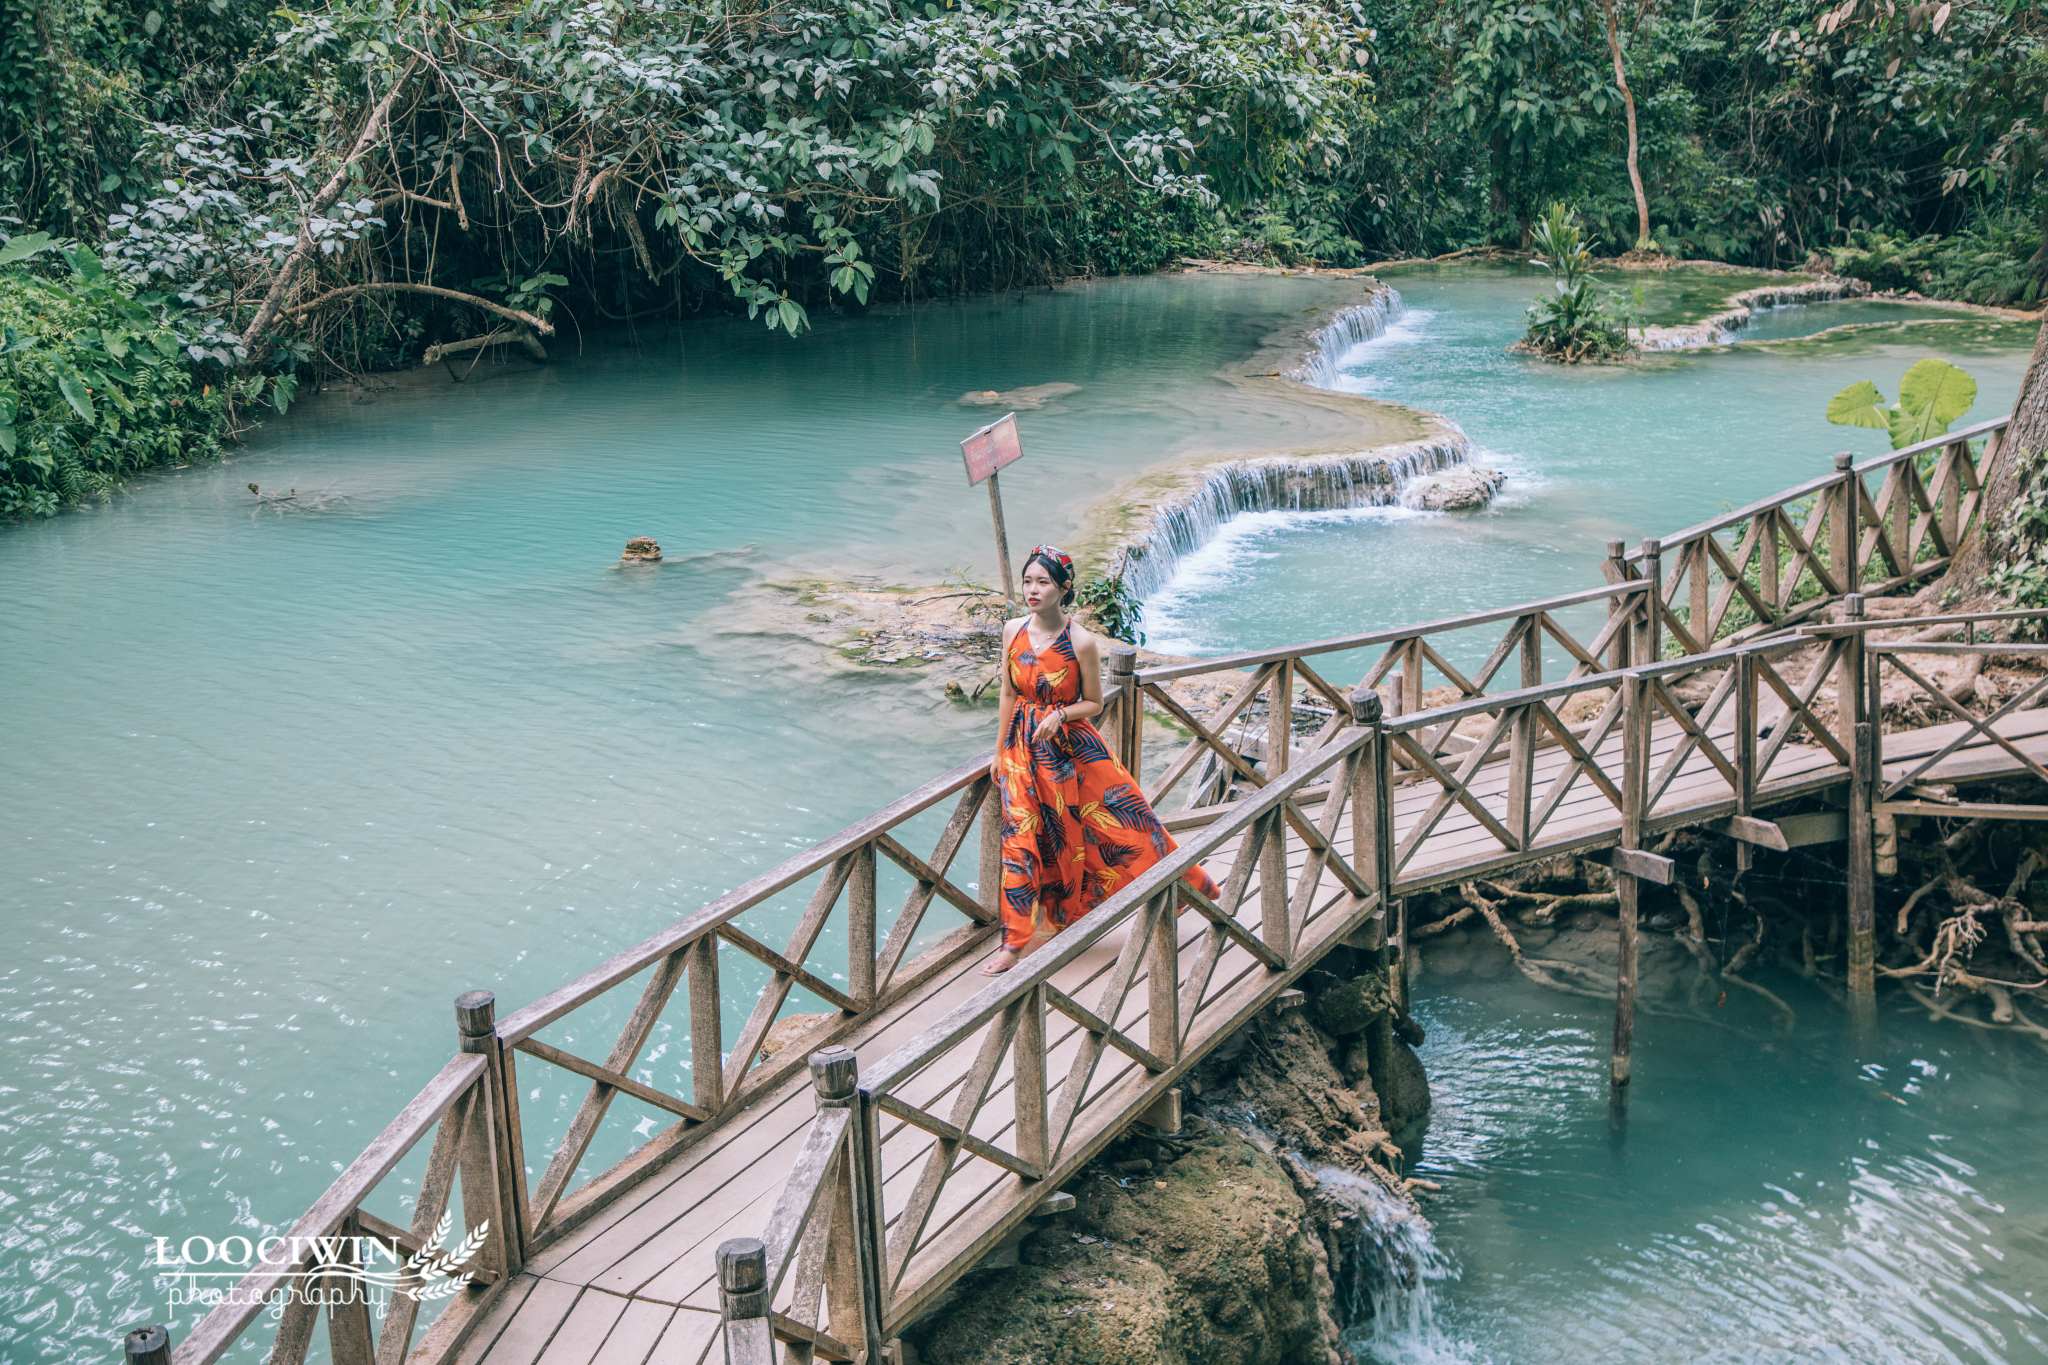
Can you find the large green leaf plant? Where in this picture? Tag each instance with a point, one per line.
(1932, 395)
(95, 380)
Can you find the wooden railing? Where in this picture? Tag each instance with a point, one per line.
(1407, 657)
(877, 969)
(1766, 566)
(463, 1107)
(1033, 1081)
(1015, 1088)
(1005, 1120)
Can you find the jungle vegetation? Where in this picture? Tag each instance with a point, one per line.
(206, 202)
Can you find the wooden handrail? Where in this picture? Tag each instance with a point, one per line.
(525, 1022)
(1915, 622)
(1366, 639)
(1077, 938)
(250, 1297)
(1815, 485)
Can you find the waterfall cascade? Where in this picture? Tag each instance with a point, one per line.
(1346, 328)
(1392, 1266)
(1367, 478)
(1712, 331)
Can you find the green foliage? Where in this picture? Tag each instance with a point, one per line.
(95, 381)
(1932, 394)
(1114, 606)
(1990, 261)
(1572, 322)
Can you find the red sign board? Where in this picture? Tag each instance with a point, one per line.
(989, 449)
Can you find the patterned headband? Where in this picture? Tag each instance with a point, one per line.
(1061, 557)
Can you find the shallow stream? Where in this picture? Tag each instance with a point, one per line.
(280, 779)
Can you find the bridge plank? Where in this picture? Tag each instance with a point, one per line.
(689, 1340)
(534, 1323)
(495, 1319)
(585, 1329)
(637, 1332)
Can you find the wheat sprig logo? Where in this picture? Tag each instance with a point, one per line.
(439, 1273)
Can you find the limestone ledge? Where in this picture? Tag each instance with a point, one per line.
(1367, 458)
(944, 634)
(1713, 330)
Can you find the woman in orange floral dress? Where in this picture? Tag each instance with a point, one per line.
(1076, 828)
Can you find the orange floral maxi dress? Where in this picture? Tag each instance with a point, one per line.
(1076, 828)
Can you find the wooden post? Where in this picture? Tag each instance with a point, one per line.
(1745, 751)
(1027, 1065)
(1767, 560)
(147, 1346)
(1522, 737)
(1372, 854)
(743, 1302)
(1843, 521)
(493, 1171)
(1274, 926)
(1275, 930)
(707, 1027)
(1123, 736)
(1855, 730)
(1699, 609)
(1862, 883)
(349, 1338)
(835, 1078)
(1280, 720)
(860, 926)
(1947, 493)
(990, 872)
(1650, 639)
(995, 502)
(1616, 570)
(1162, 973)
(1634, 787)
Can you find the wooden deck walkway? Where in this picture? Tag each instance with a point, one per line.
(883, 1152)
(638, 1285)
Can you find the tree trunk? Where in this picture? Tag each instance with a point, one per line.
(1628, 103)
(2017, 471)
(1497, 197)
(281, 283)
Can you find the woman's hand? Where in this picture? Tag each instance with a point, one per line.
(1049, 725)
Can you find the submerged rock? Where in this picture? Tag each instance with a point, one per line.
(1030, 396)
(1454, 490)
(1404, 1096)
(641, 550)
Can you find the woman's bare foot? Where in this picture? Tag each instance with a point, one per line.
(1002, 962)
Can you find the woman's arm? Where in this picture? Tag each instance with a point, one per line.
(1006, 701)
(1088, 661)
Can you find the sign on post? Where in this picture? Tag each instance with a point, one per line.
(987, 451)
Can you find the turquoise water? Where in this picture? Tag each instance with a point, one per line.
(282, 779)
(1822, 1197)
(1778, 324)
(1592, 453)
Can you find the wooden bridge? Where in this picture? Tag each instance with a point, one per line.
(930, 1110)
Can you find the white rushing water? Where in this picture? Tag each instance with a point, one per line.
(1237, 498)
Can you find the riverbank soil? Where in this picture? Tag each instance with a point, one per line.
(1224, 1243)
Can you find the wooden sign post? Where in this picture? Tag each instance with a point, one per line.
(987, 451)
